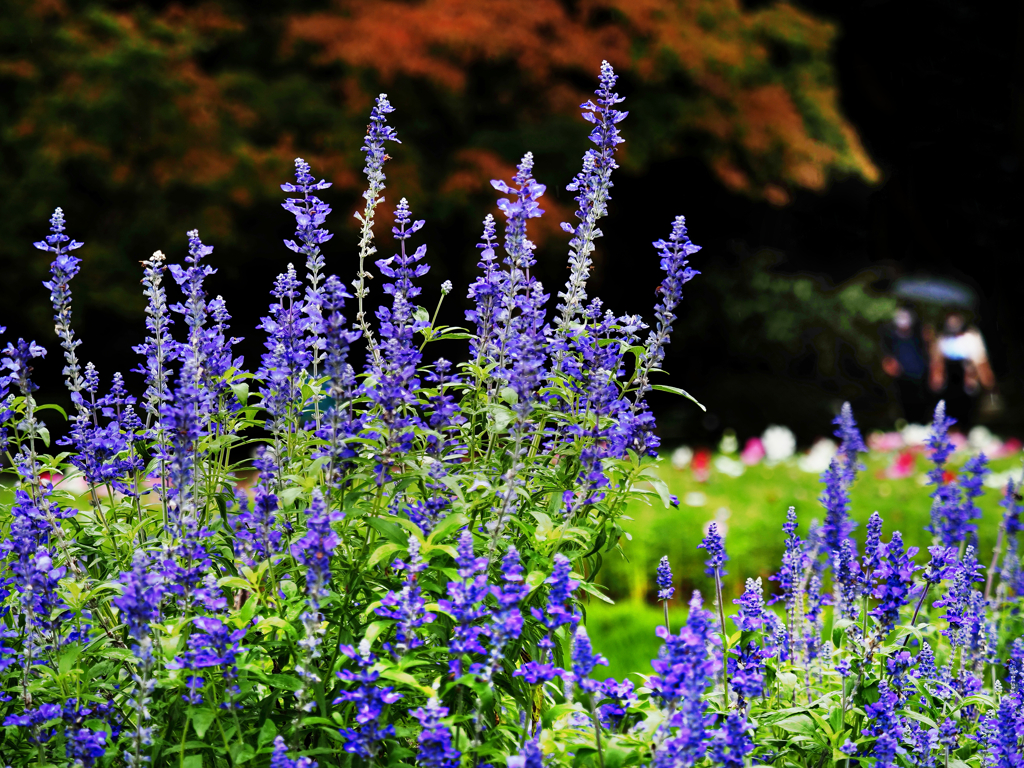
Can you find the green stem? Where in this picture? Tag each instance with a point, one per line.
(181, 746)
(725, 638)
(597, 731)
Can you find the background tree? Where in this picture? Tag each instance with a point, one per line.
(146, 121)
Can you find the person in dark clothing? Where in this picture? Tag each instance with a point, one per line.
(906, 361)
(960, 371)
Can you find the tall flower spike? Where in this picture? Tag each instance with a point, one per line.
(838, 478)
(584, 661)
(665, 588)
(63, 268)
(377, 133)
(310, 214)
(158, 348)
(592, 185)
(675, 253)
(435, 738)
(485, 292)
(715, 547)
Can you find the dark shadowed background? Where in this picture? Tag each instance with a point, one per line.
(818, 154)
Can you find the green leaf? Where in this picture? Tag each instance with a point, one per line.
(277, 622)
(288, 496)
(382, 552)
(446, 526)
(68, 659)
(242, 753)
(678, 391)
(919, 717)
(797, 724)
(193, 761)
(202, 719)
(235, 582)
(285, 682)
(389, 530)
(662, 488)
(267, 732)
(241, 391)
(52, 407)
(498, 417)
(593, 589)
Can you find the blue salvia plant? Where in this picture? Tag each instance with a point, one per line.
(318, 561)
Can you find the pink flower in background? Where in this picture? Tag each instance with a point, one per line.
(1010, 447)
(752, 452)
(902, 466)
(958, 440)
(885, 441)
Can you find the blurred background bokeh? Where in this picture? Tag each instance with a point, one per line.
(821, 152)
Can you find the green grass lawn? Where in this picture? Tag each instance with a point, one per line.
(751, 509)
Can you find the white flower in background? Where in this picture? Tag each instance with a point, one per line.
(729, 466)
(695, 499)
(729, 443)
(779, 443)
(817, 459)
(682, 456)
(999, 480)
(915, 434)
(981, 440)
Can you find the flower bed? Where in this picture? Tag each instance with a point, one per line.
(406, 582)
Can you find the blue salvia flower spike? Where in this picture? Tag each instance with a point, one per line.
(592, 185)
(715, 547)
(64, 267)
(436, 749)
(377, 133)
(310, 214)
(665, 588)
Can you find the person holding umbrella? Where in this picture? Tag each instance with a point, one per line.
(958, 369)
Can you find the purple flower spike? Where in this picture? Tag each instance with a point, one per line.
(368, 700)
(751, 615)
(592, 185)
(732, 742)
(715, 548)
(958, 601)
(896, 574)
(435, 738)
(584, 660)
(63, 268)
(665, 588)
(279, 757)
(675, 254)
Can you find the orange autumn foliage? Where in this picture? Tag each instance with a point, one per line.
(760, 117)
